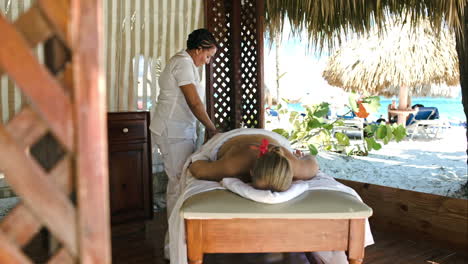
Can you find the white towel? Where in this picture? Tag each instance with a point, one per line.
(264, 196)
(191, 186)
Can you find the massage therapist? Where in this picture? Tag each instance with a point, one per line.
(173, 126)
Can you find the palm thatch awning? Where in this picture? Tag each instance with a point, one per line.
(328, 22)
(403, 56)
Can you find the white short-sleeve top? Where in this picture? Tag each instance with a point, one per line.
(171, 111)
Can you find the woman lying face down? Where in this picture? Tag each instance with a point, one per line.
(258, 159)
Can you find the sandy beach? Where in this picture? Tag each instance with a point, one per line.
(436, 166)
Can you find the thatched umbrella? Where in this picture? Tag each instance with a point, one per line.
(403, 60)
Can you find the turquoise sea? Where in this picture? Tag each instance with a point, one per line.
(449, 108)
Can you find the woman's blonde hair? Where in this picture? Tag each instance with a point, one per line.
(272, 171)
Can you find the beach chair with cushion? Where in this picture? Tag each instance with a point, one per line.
(426, 122)
(220, 221)
(351, 127)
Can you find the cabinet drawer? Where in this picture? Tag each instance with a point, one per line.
(125, 130)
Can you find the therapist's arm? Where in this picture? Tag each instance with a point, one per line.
(198, 108)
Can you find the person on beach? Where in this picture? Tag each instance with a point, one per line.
(173, 126)
(259, 159)
(392, 118)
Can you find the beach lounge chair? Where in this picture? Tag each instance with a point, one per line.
(271, 112)
(350, 115)
(426, 122)
(352, 125)
(220, 221)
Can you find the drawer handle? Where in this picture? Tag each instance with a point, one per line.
(125, 130)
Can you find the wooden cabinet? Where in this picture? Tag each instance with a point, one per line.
(129, 166)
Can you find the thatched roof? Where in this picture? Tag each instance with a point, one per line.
(403, 56)
(328, 21)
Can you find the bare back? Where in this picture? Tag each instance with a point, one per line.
(237, 156)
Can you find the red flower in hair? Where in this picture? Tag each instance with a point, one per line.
(263, 149)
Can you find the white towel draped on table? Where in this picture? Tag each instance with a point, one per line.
(191, 186)
(264, 196)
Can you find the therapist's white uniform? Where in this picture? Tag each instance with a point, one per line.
(173, 124)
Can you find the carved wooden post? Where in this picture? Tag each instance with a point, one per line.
(91, 132)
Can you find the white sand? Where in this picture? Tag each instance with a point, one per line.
(430, 166)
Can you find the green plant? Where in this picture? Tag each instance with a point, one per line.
(312, 130)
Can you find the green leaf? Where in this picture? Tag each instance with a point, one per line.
(313, 150)
(292, 116)
(342, 139)
(282, 132)
(294, 134)
(371, 129)
(352, 102)
(385, 141)
(369, 142)
(372, 144)
(282, 75)
(372, 104)
(301, 134)
(327, 133)
(322, 109)
(328, 126)
(297, 124)
(399, 133)
(381, 132)
(339, 122)
(389, 135)
(313, 123)
(308, 110)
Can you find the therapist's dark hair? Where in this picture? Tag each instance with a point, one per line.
(201, 39)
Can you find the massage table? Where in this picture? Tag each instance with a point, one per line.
(220, 221)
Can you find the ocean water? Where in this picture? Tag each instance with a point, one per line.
(449, 108)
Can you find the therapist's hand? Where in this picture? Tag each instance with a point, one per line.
(212, 132)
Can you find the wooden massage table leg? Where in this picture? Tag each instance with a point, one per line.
(194, 241)
(356, 241)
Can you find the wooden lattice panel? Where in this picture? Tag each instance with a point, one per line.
(235, 77)
(251, 90)
(219, 74)
(46, 194)
(45, 200)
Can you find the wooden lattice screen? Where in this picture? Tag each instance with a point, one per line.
(70, 199)
(235, 77)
